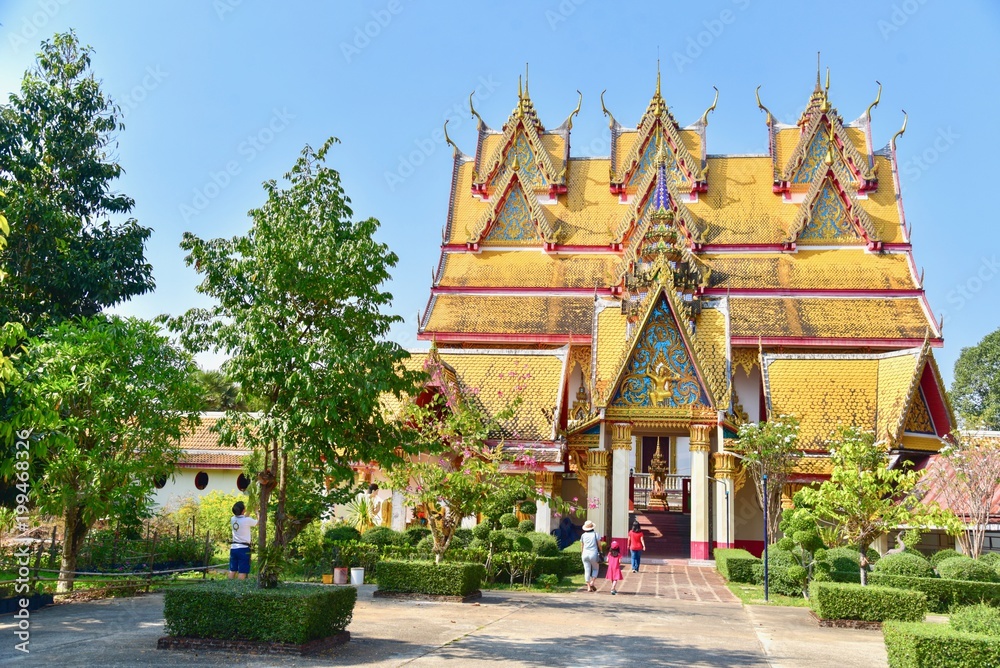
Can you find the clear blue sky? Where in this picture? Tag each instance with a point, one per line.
(235, 88)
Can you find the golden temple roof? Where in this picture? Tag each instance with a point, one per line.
(497, 314)
(836, 318)
(826, 391)
(526, 269)
(491, 377)
(841, 269)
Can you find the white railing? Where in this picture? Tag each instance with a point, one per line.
(646, 489)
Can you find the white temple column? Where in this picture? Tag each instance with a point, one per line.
(398, 511)
(725, 471)
(597, 487)
(700, 445)
(621, 449)
(543, 513)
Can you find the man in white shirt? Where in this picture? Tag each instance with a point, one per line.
(239, 550)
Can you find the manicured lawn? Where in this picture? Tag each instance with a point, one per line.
(752, 594)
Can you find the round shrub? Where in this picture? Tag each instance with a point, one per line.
(508, 521)
(966, 568)
(991, 559)
(339, 533)
(482, 531)
(461, 538)
(979, 618)
(941, 555)
(779, 579)
(837, 559)
(906, 564)
(543, 544)
(414, 535)
(499, 541)
(426, 544)
(382, 536)
(526, 526)
(518, 542)
(528, 508)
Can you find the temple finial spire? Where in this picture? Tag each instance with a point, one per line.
(657, 77)
(818, 70)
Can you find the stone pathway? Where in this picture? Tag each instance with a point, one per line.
(675, 580)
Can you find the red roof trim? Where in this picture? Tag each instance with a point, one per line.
(557, 248)
(935, 402)
(812, 292)
(481, 337)
(832, 342)
(778, 247)
(555, 292)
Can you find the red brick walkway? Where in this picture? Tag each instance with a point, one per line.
(674, 580)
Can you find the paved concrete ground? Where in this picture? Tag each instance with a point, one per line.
(515, 629)
(674, 580)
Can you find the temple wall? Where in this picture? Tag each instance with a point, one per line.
(748, 520)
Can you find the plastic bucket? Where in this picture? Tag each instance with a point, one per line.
(357, 576)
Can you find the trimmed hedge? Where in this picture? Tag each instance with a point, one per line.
(383, 536)
(966, 568)
(979, 618)
(904, 564)
(942, 593)
(920, 645)
(735, 565)
(941, 555)
(780, 563)
(543, 544)
(837, 600)
(239, 610)
(449, 578)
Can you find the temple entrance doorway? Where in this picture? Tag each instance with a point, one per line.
(660, 494)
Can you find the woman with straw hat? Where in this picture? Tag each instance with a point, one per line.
(591, 554)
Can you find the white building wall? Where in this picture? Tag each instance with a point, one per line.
(181, 486)
(683, 455)
(748, 391)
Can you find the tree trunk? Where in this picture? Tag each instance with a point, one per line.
(279, 515)
(73, 535)
(863, 564)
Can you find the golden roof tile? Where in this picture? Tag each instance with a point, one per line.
(840, 269)
(610, 339)
(527, 269)
(494, 314)
(711, 346)
(817, 317)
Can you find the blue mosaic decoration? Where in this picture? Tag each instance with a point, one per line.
(815, 157)
(648, 160)
(513, 224)
(526, 161)
(829, 220)
(660, 372)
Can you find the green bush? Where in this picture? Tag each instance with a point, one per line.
(966, 568)
(943, 593)
(550, 566)
(991, 559)
(526, 526)
(467, 554)
(735, 565)
(922, 645)
(382, 536)
(414, 535)
(239, 610)
(518, 542)
(907, 565)
(340, 533)
(482, 531)
(508, 521)
(841, 559)
(461, 538)
(354, 554)
(543, 544)
(572, 562)
(837, 600)
(780, 577)
(499, 541)
(941, 555)
(979, 618)
(548, 581)
(448, 578)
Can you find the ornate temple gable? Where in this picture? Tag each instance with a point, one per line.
(830, 214)
(515, 219)
(661, 369)
(657, 192)
(657, 126)
(919, 420)
(823, 139)
(521, 148)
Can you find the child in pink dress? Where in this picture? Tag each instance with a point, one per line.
(614, 567)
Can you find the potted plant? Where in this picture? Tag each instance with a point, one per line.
(339, 569)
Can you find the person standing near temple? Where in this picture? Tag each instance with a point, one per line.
(636, 545)
(614, 567)
(590, 551)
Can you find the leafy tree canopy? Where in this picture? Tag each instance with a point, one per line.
(65, 257)
(975, 392)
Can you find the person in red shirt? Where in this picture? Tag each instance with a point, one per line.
(636, 545)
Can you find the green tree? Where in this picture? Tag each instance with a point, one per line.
(115, 398)
(300, 313)
(65, 257)
(770, 448)
(458, 467)
(975, 392)
(864, 497)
